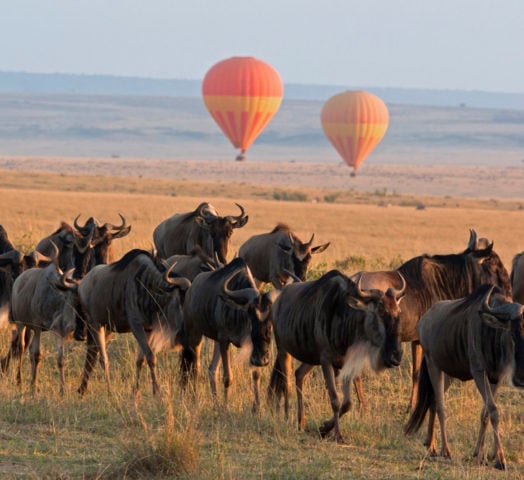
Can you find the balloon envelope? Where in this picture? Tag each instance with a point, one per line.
(242, 94)
(354, 122)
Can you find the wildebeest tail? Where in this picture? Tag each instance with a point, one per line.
(425, 398)
(277, 383)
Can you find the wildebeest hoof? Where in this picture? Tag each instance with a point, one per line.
(500, 466)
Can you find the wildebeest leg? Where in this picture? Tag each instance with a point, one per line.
(213, 371)
(357, 383)
(300, 376)
(100, 340)
(437, 380)
(60, 363)
(36, 356)
(430, 435)
(140, 362)
(226, 365)
(91, 354)
(279, 383)
(255, 375)
(328, 425)
(142, 338)
(416, 355)
(488, 391)
(329, 376)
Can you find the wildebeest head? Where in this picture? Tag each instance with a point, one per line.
(382, 319)
(491, 270)
(239, 292)
(498, 312)
(94, 246)
(220, 228)
(64, 238)
(64, 283)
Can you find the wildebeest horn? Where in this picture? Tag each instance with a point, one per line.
(88, 241)
(398, 293)
(366, 293)
(75, 223)
(472, 244)
(238, 220)
(180, 282)
(245, 295)
(117, 227)
(485, 304)
(66, 279)
(292, 275)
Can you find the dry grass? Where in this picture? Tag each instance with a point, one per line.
(103, 436)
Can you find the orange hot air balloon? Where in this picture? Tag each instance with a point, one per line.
(354, 122)
(242, 94)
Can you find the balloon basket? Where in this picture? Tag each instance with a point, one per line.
(353, 174)
(240, 157)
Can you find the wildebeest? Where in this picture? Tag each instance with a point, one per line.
(64, 238)
(12, 264)
(332, 322)
(225, 306)
(191, 265)
(134, 294)
(43, 299)
(101, 237)
(517, 277)
(272, 255)
(179, 233)
(480, 337)
(431, 278)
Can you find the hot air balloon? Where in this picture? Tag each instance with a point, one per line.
(242, 94)
(354, 122)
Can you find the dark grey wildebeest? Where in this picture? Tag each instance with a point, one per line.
(271, 256)
(332, 322)
(102, 236)
(191, 265)
(431, 278)
(517, 277)
(225, 306)
(181, 232)
(480, 338)
(43, 299)
(12, 263)
(134, 294)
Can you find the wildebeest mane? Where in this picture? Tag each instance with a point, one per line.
(228, 269)
(122, 264)
(475, 297)
(281, 227)
(441, 277)
(329, 298)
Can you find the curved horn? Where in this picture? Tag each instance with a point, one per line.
(75, 223)
(398, 293)
(472, 244)
(242, 212)
(245, 295)
(365, 294)
(66, 279)
(88, 241)
(118, 227)
(291, 275)
(55, 253)
(485, 304)
(180, 282)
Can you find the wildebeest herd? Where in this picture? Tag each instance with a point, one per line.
(457, 310)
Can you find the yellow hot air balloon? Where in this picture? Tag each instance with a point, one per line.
(354, 122)
(242, 94)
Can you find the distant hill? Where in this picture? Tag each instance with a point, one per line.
(58, 83)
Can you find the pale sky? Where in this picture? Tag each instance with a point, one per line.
(442, 44)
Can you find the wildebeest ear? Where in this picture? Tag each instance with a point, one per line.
(494, 322)
(240, 222)
(320, 248)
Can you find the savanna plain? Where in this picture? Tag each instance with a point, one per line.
(119, 435)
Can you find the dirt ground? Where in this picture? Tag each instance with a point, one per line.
(504, 182)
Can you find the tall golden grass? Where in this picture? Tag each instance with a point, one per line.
(122, 436)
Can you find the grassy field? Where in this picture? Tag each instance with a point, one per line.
(111, 436)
